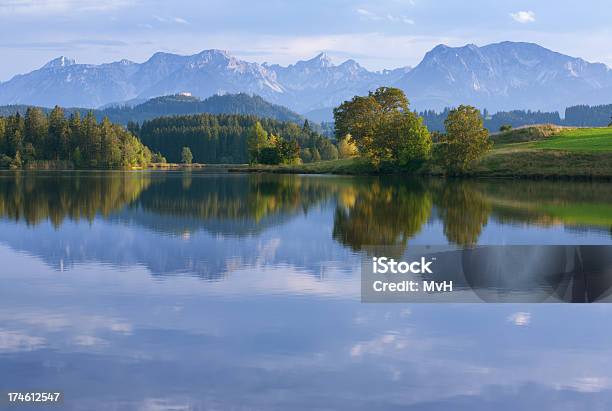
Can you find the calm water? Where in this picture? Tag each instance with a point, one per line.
(182, 291)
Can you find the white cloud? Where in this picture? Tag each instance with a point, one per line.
(523, 17)
(589, 384)
(59, 6)
(369, 15)
(379, 345)
(89, 341)
(177, 20)
(520, 319)
(15, 341)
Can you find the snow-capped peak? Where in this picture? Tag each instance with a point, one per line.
(59, 62)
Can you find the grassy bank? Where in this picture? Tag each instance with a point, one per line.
(537, 152)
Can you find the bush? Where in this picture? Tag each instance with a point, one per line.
(505, 127)
(269, 155)
(5, 161)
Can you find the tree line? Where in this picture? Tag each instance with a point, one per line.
(51, 140)
(575, 116)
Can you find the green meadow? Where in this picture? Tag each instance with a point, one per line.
(580, 139)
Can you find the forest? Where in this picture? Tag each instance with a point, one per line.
(53, 140)
(223, 138)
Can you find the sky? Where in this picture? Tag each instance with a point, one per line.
(377, 33)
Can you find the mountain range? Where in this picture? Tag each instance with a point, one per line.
(501, 76)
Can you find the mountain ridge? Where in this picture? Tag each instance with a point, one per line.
(498, 76)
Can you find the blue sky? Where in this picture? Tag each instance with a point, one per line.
(377, 33)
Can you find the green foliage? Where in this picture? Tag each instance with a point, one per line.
(186, 155)
(271, 149)
(505, 127)
(53, 137)
(269, 155)
(383, 128)
(466, 140)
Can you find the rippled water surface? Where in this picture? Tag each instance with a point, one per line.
(154, 290)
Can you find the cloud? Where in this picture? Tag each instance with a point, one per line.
(89, 341)
(177, 20)
(520, 319)
(60, 6)
(15, 341)
(523, 17)
(379, 345)
(369, 15)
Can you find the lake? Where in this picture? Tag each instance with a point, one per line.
(195, 290)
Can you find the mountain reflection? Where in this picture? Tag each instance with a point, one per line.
(209, 224)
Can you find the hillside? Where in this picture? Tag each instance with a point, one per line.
(552, 137)
(184, 104)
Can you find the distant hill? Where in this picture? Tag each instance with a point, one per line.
(183, 104)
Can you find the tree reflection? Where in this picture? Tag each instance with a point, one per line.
(384, 212)
(36, 197)
(464, 211)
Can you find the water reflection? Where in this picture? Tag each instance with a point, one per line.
(36, 197)
(102, 284)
